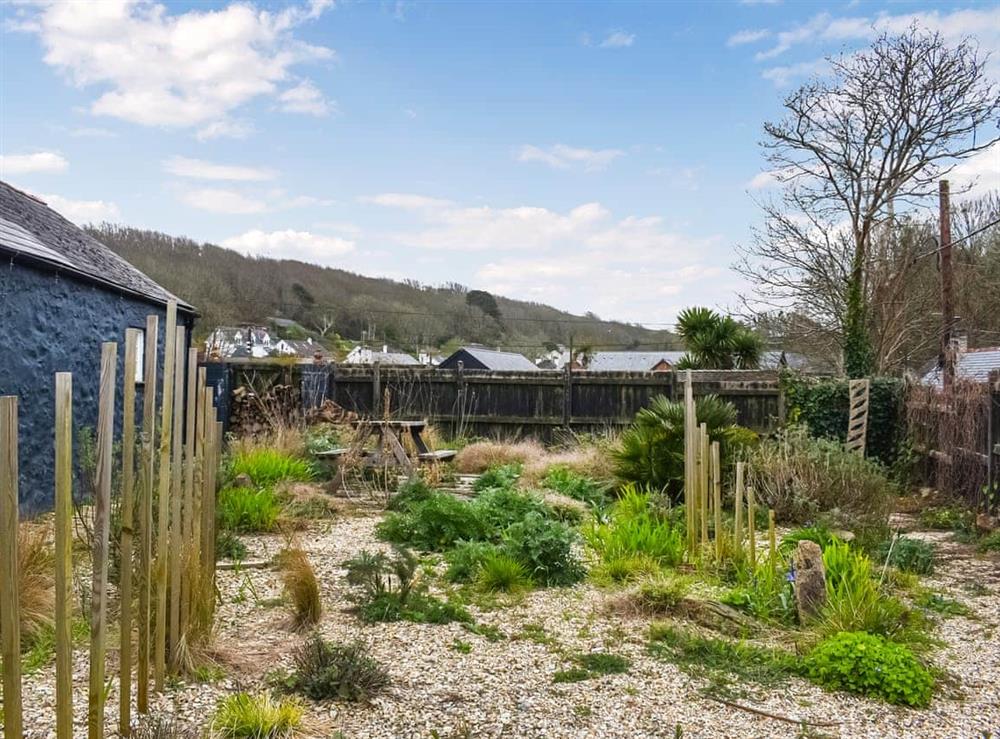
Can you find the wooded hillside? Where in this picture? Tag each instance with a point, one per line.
(230, 288)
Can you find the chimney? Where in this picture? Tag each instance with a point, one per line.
(960, 343)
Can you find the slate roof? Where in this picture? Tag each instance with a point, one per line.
(28, 227)
(504, 361)
(793, 360)
(973, 365)
(303, 348)
(630, 361)
(394, 358)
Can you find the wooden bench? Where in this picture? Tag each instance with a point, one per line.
(441, 455)
(331, 453)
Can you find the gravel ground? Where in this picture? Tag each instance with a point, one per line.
(504, 688)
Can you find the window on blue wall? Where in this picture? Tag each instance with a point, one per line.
(140, 357)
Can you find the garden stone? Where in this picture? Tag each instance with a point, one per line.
(242, 480)
(810, 579)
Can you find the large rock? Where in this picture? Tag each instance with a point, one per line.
(810, 579)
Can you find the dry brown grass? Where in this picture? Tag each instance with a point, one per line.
(481, 455)
(287, 439)
(299, 579)
(36, 579)
(591, 460)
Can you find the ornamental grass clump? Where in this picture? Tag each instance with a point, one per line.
(248, 510)
(35, 582)
(872, 666)
(261, 716)
(327, 671)
(267, 466)
(501, 573)
(299, 580)
(635, 528)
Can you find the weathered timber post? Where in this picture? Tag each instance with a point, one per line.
(187, 514)
(176, 535)
(127, 522)
(64, 555)
(993, 443)
(568, 395)
(752, 525)
(376, 388)
(738, 523)
(461, 393)
(163, 509)
(717, 499)
(690, 463)
(10, 627)
(102, 520)
(706, 463)
(146, 510)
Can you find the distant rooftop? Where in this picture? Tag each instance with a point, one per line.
(973, 365)
(630, 361)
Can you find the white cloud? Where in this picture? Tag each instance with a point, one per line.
(978, 174)
(618, 40)
(785, 75)
(290, 244)
(748, 36)
(83, 212)
(560, 156)
(224, 128)
(227, 202)
(405, 201)
(202, 170)
(305, 97)
(183, 70)
(40, 161)
(983, 25)
(760, 2)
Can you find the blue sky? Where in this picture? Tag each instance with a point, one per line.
(594, 156)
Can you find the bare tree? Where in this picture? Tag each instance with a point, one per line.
(874, 136)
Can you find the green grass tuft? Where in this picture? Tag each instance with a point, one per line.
(248, 510)
(267, 466)
(500, 572)
(246, 716)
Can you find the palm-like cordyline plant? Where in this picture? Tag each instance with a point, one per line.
(714, 341)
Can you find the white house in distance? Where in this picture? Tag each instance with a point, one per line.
(239, 341)
(367, 355)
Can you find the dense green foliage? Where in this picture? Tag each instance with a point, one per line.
(823, 406)
(714, 341)
(229, 546)
(325, 671)
(565, 481)
(651, 451)
(497, 476)
(248, 510)
(908, 555)
(434, 524)
(872, 666)
(500, 572)
(545, 548)
(635, 529)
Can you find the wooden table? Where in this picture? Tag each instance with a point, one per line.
(389, 450)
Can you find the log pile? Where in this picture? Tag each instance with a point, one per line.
(253, 414)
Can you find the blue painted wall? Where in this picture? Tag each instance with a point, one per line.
(53, 323)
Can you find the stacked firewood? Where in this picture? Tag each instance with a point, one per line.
(252, 414)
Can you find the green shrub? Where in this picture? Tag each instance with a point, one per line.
(819, 534)
(763, 590)
(908, 555)
(869, 665)
(938, 603)
(466, 557)
(500, 572)
(229, 546)
(990, 543)
(434, 524)
(326, 671)
(415, 490)
(267, 466)
(545, 548)
(564, 481)
(803, 479)
(651, 451)
(246, 716)
(636, 528)
(502, 476)
(947, 518)
(248, 510)
(618, 569)
(498, 508)
(822, 405)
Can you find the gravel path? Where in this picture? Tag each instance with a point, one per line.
(504, 688)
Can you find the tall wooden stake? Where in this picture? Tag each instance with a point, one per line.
(752, 525)
(146, 512)
(706, 463)
(690, 462)
(64, 555)
(188, 520)
(176, 496)
(10, 627)
(207, 503)
(128, 521)
(772, 538)
(163, 507)
(717, 499)
(738, 523)
(102, 519)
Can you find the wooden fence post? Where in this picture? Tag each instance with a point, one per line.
(176, 535)
(690, 463)
(706, 463)
(64, 555)
(188, 520)
(128, 521)
(10, 627)
(772, 539)
(568, 395)
(146, 512)
(752, 525)
(163, 509)
(717, 499)
(738, 523)
(102, 520)
(376, 389)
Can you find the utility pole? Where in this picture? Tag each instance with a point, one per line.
(947, 306)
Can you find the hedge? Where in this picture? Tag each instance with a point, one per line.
(823, 406)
